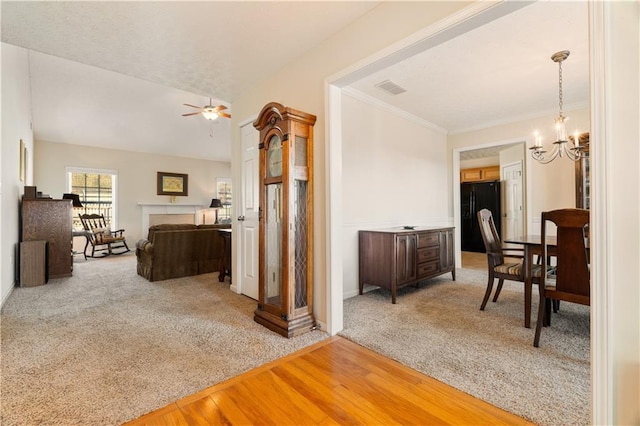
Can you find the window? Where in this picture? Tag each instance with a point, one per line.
(224, 194)
(97, 190)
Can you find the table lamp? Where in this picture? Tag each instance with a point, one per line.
(74, 197)
(216, 204)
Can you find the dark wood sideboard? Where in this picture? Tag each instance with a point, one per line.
(50, 220)
(397, 257)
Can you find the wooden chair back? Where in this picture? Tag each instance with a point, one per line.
(90, 222)
(572, 257)
(492, 242)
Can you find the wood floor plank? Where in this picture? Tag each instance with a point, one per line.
(204, 412)
(249, 405)
(336, 382)
(230, 410)
(299, 404)
(167, 416)
(318, 392)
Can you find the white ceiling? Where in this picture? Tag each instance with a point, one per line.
(146, 59)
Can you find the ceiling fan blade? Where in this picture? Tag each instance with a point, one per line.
(220, 108)
(192, 106)
(191, 113)
(224, 114)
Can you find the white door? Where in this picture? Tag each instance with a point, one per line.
(248, 212)
(513, 215)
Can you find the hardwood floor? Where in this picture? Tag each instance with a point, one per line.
(334, 382)
(472, 260)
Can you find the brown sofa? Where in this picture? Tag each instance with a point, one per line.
(173, 251)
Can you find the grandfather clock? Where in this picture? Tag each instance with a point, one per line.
(285, 302)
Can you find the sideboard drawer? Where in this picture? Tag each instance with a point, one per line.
(427, 268)
(427, 254)
(428, 239)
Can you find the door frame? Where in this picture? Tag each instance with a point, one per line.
(456, 185)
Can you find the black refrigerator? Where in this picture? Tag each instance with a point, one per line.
(475, 196)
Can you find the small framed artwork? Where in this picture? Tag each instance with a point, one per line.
(176, 184)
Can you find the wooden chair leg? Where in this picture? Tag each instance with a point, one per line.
(541, 305)
(547, 313)
(498, 290)
(488, 292)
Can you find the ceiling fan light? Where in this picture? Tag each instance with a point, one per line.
(209, 114)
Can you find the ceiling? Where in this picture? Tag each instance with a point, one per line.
(117, 74)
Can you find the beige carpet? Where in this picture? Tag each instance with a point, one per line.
(106, 346)
(439, 330)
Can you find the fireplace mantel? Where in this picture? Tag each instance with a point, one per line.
(167, 208)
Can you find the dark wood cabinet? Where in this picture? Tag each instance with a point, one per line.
(50, 220)
(393, 258)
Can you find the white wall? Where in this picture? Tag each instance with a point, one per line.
(512, 155)
(136, 177)
(16, 125)
(394, 173)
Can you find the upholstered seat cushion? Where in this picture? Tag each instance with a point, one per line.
(516, 269)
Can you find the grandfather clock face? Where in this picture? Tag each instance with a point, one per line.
(274, 157)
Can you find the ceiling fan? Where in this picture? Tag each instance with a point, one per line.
(209, 112)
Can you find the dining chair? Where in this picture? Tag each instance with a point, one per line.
(498, 268)
(570, 281)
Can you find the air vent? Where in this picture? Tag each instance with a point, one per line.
(390, 87)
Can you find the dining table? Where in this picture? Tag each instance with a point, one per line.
(532, 245)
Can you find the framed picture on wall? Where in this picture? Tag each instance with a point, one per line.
(173, 184)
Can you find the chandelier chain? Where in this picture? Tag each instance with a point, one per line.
(560, 86)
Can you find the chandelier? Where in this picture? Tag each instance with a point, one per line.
(561, 147)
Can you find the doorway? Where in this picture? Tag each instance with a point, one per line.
(509, 152)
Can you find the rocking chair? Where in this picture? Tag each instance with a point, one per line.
(101, 237)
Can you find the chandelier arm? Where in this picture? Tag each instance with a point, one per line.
(539, 154)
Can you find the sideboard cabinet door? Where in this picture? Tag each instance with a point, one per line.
(406, 258)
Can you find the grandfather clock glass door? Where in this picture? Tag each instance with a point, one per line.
(273, 225)
(285, 280)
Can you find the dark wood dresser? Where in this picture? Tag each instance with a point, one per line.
(397, 257)
(50, 220)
